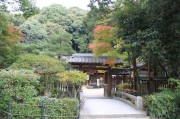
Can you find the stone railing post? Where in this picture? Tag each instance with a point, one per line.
(139, 103)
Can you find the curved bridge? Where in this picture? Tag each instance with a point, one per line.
(96, 106)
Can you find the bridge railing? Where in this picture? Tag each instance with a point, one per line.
(134, 101)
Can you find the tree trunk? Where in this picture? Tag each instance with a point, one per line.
(47, 86)
(161, 66)
(136, 82)
(149, 69)
(154, 69)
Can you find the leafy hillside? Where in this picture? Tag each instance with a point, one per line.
(55, 30)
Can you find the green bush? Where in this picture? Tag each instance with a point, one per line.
(65, 108)
(18, 85)
(71, 79)
(163, 105)
(56, 108)
(28, 110)
(122, 86)
(166, 104)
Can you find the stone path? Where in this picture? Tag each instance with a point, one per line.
(97, 107)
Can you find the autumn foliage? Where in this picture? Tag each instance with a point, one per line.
(102, 33)
(102, 37)
(110, 61)
(14, 34)
(99, 48)
(9, 37)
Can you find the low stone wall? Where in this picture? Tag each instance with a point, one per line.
(134, 101)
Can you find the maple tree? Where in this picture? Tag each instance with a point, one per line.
(103, 33)
(15, 34)
(9, 37)
(103, 36)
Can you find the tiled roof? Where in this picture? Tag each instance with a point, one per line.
(89, 58)
(139, 64)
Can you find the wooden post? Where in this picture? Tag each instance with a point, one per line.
(106, 84)
(136, 85)
(42, 110)
(109, 84)
(106, 78)
(9, 109)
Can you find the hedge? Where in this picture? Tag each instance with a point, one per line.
(163, 105)
(53, 108)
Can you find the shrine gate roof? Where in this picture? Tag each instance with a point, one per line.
(88, 58)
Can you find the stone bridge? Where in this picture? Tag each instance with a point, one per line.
(96, 106)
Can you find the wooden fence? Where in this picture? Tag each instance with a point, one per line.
(146, 86)
(151, 86)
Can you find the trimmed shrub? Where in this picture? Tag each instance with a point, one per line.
(163, 105)
(28, 110)
(65, 108)
(60, 108)
(18, 85)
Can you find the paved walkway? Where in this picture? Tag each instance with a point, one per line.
(97, 107)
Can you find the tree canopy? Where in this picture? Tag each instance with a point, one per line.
(18, 85)
(145, 30)
(38, 63)
(27, 7)
(150, 29)
(72, 77)
(55, 24)
(138, 30)
(9, 37)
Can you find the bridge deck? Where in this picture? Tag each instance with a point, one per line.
(97, 107)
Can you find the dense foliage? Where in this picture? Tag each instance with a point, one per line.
(73, 80)
(55, 30)
(9, 37)
(102, 44)
(147, 30)
(17, 85)
(102, 36)
(72, 77)
(45, 66)
(163, 105)
(53, 108)
(38, 63)
(60, 108)
(26, 7)
(52, 31)
(144, 31)
(33, 32)
(166, 104)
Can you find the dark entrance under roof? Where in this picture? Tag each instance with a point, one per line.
(94, 67)
(87, 62)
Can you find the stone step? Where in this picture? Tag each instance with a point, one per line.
(123, 118)
(143, 115)
(117, 118)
